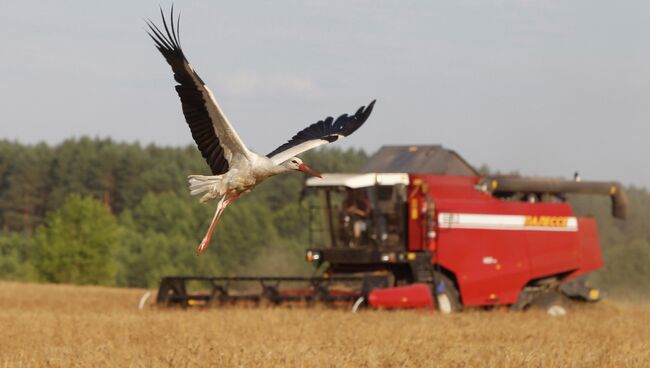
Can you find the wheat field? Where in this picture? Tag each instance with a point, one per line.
(72, 326)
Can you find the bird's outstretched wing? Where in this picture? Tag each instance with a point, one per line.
(214, 135)
(322, 132)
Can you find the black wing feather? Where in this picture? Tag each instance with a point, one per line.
(194, 108)
(328, 129)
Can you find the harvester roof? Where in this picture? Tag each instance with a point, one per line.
(422, 159)
(355, 181)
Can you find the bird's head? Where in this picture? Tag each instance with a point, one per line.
(295, 163)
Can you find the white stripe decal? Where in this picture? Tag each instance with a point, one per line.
(447, 220)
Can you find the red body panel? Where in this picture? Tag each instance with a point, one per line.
(591, 258)
(415, 296)
(510, 244)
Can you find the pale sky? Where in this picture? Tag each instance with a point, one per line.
(543, 87)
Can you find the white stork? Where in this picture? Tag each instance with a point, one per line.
(236, 169)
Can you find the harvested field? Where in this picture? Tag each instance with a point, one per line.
(70, 326)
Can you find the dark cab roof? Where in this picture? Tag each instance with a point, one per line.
(424, 159)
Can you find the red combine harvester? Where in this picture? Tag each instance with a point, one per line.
(419, 227)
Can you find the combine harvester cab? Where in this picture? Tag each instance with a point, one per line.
(424, 219)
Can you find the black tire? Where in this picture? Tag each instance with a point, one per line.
(446, 294)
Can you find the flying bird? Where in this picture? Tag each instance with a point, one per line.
(235, 168)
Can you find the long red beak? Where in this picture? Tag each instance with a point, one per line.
(304, 168)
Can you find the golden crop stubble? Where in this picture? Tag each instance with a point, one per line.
(60, 325)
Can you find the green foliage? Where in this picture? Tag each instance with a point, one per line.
(163, 231)
(25, 180)
(291, 221)
(14, 260)
(76, 244)
(627, 268)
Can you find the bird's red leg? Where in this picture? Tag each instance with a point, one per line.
(217, 215)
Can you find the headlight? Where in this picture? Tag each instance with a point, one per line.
(312, 256)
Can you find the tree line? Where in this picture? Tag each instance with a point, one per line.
(95, 211)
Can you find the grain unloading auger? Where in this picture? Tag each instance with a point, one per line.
(419, 227)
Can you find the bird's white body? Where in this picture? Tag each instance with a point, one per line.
(246, 172)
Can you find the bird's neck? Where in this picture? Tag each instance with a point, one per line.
(271, 170)
(279, 169)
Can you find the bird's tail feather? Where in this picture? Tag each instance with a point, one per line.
(200, 183)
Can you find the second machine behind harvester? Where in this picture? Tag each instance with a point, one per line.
(418, 227)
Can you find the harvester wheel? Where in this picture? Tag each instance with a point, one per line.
(447, 296)
(551, 302)
(359, 304)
